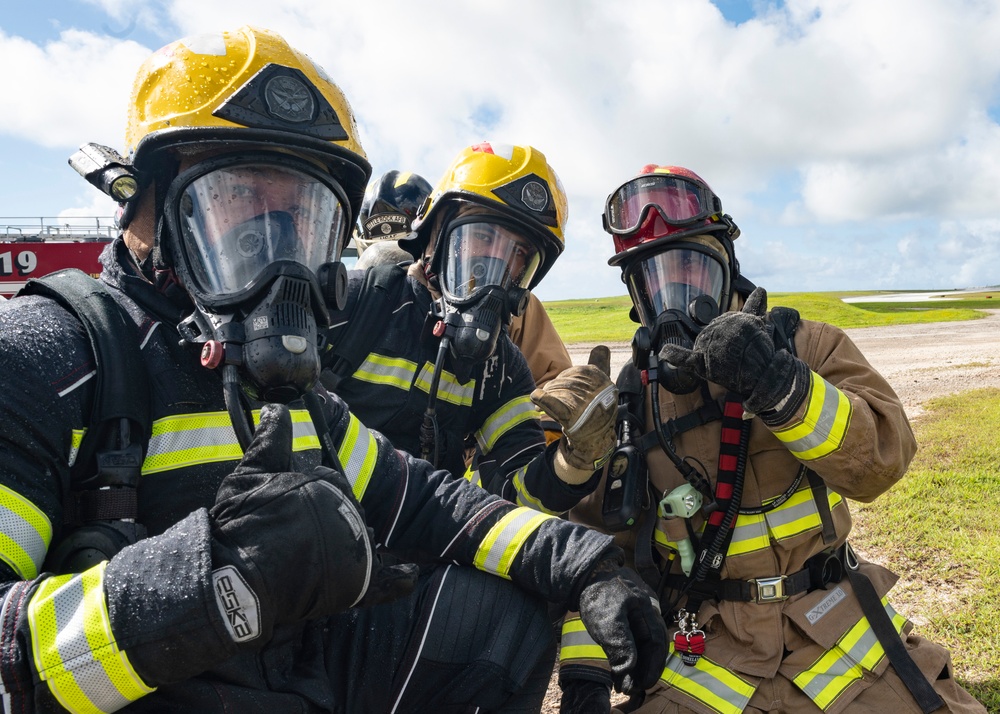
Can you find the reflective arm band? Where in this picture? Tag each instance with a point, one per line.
(576, 644)
(358, 452)
(25, 534)
(387, 371)
(523, 496)
(504, 419)
(505, 539)
(74, 650)
(823, 425)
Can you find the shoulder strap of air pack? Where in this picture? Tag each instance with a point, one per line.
(121, 415)
(379, 294)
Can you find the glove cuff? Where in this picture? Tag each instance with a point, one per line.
(781, 389)
(161, 601)
(610, 560)
(569, 467)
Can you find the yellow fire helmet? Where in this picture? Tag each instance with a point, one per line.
(245, 87)
(515, 181)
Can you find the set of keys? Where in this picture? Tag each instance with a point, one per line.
(689, 640)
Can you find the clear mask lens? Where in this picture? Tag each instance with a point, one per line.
(479, 254)
(237, 220)
(671, 280)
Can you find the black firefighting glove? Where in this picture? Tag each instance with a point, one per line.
(584, 401)
(622, 614)
(290, 546)
(736, 351)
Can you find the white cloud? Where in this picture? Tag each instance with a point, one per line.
(68, 91)
(843, 116)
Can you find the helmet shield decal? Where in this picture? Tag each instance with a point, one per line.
(530, 194)
(280, 97)
(386, 226)
(237, 219)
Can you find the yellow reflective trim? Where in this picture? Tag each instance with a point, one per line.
(824, 425)
(838, 431)
(390, 371)
(845, 663)
(74, 649)
(581, 652)
(714, 686)
(304, 431)
(26, 534)
(749, 535)
(358, 453)
(524, 496)
(505, 539)
(514, 412)
(75, 439)
(449, 388)
(183, 440)
(576, 642)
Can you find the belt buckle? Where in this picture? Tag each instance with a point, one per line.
(770, 589)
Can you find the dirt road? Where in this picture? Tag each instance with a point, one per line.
(919, 361)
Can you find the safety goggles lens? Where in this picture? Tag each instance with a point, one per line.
(237, 220)
(671, 280)
(480, 254)
(678, 200)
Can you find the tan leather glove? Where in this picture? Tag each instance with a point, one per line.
(584, 401)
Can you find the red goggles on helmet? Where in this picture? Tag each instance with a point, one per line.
(679, 201)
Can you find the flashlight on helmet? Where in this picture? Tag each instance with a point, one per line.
(107, 170)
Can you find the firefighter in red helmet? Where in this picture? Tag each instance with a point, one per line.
(744, 433)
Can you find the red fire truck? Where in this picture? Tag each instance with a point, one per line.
(32, 247)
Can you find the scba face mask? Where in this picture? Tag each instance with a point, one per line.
(486, 268)
(256, 240)
(677, 292)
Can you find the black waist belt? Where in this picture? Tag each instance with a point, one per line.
(821, 570)
(830, 566)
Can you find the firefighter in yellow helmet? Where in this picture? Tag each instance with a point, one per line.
(190, 523)
(441, 373)
(747, 431)
(391, 203)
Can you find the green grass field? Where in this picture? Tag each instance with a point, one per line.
(936, 528)
(606, 319)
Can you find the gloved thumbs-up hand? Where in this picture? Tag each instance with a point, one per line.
(736, 351)
(289, 546)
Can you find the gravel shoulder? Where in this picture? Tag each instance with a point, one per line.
(920, 361)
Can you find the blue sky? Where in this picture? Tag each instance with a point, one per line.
(855, 142)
